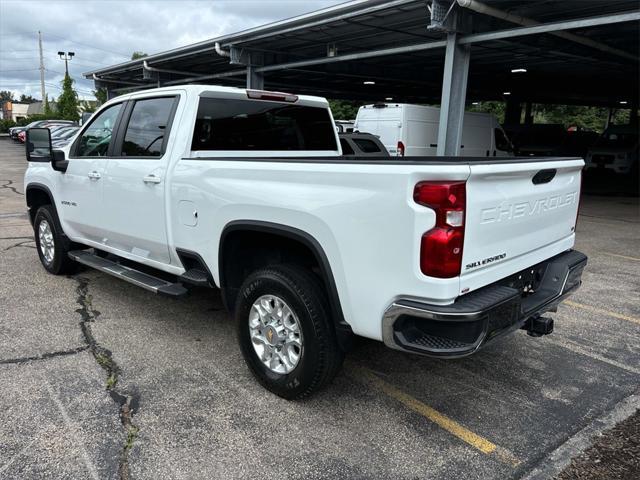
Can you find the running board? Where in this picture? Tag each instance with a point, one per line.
(141, 279)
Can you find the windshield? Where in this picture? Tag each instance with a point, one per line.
(617, 139)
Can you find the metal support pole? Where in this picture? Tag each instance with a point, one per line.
(609, 118)
(255, 80)
(111, 94)
(633, 116)
(454, 91)
(513, 111)
(253, 60)
(528, 114)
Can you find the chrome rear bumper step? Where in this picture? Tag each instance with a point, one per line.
(466, 325)
(128, 274)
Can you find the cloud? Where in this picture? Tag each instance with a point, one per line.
(106, 32)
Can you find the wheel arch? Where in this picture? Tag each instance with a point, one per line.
(38, 195)
(289, 234)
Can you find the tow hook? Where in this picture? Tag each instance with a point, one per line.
(538, 326)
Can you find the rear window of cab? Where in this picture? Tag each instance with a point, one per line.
(236, 124)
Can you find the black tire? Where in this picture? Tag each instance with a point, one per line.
(320, 357)
(60, 263)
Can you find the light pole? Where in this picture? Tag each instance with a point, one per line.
(66, 57)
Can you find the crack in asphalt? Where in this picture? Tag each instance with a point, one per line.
(21, 244)
(44, 356)
(15, 238)
(13, 215)
(8, 186)
(127, 401)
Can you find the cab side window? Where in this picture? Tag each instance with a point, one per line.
(148, 125)
(95, 140)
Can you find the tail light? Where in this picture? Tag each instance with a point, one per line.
(441, 247)
(400, 149)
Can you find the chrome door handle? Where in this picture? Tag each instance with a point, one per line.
(94, 175)
(151, 179)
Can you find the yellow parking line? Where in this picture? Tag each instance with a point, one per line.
(622, 256)
(451, 426)
(591, 309)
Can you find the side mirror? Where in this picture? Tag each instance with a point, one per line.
(39, 149)
(38, 142)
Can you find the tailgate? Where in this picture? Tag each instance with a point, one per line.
(518, 214)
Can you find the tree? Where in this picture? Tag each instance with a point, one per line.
(495, 108)
(590, 118)
(138, 54)
(6, 96)
(27, 99)
(101, 95)
(87, 106)
(343, 109)
(68, 101)
(46, 109)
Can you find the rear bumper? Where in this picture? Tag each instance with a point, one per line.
(462, 328)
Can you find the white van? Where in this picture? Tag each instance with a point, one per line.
(412, 130)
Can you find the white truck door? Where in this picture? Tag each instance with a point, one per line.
(134, 187)
(80, 188)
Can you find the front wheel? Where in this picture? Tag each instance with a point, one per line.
(285, 332)
(51, 243)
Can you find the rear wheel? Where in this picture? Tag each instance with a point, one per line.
(53, 246)
(285, 332)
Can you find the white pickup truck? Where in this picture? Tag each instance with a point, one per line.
(247, 191)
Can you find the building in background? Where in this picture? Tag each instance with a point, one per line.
(37, 108)
(14, 110)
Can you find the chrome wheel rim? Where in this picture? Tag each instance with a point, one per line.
(275, 334)
(47, 244)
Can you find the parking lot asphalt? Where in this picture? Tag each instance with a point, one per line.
(103, 380)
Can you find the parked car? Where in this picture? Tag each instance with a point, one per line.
(615, 151)
(361, 145)
(412, 130)
(19, 132)
(246, 191)
(577, 143)
(344, 126)
(53, 128)
(15, 131)
(84, 118)
(58, 130)
(63, 137)
(537, 139)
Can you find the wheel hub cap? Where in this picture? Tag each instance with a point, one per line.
(275, 334)
(47, 245)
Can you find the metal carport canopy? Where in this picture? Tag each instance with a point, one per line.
(401, 47)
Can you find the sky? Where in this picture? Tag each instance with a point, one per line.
(106, 32)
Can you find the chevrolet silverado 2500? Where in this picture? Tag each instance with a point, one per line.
(247, 191)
